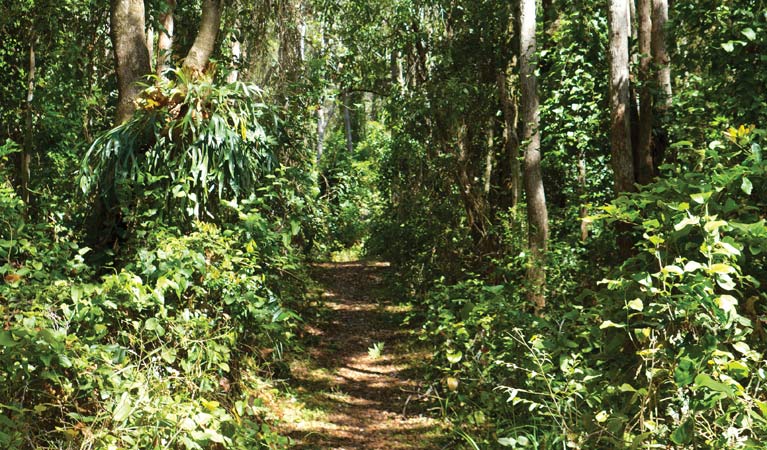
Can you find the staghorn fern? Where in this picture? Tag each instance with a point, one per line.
(195, 141)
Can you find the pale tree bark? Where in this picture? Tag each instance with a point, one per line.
(537, 215)
(325, 114)
(28, 148)
(644, 160)
(660, 54)
(236, 58)
(510, 137)
(205, 42)
(165, 39)
(348, 124)
(583, 210)
(130, 52)
(620, 125)
(150, 44)
(489, 158)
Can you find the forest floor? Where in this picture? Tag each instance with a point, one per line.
(356, 386)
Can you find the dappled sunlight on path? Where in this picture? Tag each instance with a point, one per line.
(348, 395)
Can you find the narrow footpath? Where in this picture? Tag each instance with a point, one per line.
(357, 386)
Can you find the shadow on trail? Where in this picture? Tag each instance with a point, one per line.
(362, 401)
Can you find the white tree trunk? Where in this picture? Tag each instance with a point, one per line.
(537, 215)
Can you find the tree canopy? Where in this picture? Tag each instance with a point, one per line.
(570, 195)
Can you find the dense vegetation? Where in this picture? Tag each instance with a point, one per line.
(570, 193)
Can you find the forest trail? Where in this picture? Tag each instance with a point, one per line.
(348, 396)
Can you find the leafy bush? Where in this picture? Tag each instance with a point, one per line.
(150, 356)
(670, 352)
(191, 143)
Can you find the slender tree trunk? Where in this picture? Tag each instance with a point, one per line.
(28, 149)
(205, 42)
(348, 124)
(489, 157)
(644, 169)
(236, 55)
(621, 150)
(324, 116)
(165, 39)
(537, 215)
(660, 55)
(131, 55)
(583, 211)
(510, 137)
(150, 45)
(620, 126)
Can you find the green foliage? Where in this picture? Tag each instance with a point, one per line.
(692, 301)
(152, 354)
(194, 141)
(348, 189)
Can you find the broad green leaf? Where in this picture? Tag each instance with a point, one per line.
(737, 369)
(454, 356)
(749, 33)
(714, 225)
(684, 373)
(704, 380)
(636, 304)
(122, 409)
(721, 268)
(746, 186)
(683, 434)
(692, 220)
(611, 324)
(507, 442)
(6, 339)
(741, 347)
(727, 303)
(701, 197)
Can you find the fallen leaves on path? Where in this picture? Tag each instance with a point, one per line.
(349, 397)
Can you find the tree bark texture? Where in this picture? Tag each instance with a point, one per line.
(537, 215)
(644, 160)
(660, 54)
(28, 148)
(510, 137)
(348, 124)
(583, 210)
(620, 125)
(130, 52)
(205, 42)
(165, 38)
(236, 58)
(489, 158)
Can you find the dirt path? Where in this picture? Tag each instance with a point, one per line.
(348, 396)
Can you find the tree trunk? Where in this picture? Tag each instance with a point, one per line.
(489, 157)
(150, 45)
(348, 124)
(660, 55)
(510, 137)
(537, 215)
(205, 42)
(236, 58)
(131, 54)
(644, 169)
(620, 126)
(582, 211)
(28, 149)
(165, 39)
